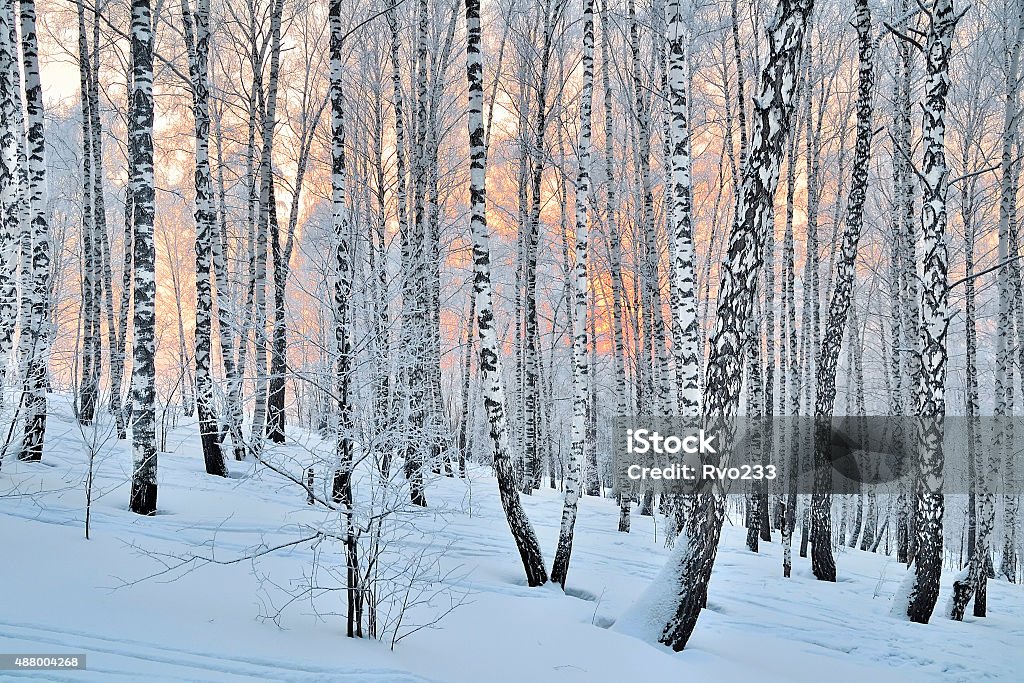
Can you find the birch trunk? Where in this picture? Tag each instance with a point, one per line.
(11, 136)
(1009, 292)
(909, 282)
(580, 364)
(822, 562)
(684, 305)
(91, 335)
(532, 457)
(227, 318)
(342, 484)
(144, 452)
(266, 179)
(400, 160)
(119, 354)
(491, 383)
(790, 388)
(37, 329)
(614, 249)
(919, 600)
(688, 569)
(197, 41)
(983, 462)
(652, 310)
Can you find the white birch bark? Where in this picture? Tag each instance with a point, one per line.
(91, 335)
(684, 306)
(918, 602)
(614, 249)
(1009, 292)
(491, 383)
(197, 39)
(580, 364)
(822, 562)
(11, 136)
(266, 179)
(144, 452)
(36, 327)
(680, 591)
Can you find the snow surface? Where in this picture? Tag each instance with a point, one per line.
(64, 594)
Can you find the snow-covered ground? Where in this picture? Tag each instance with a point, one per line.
(61, 593)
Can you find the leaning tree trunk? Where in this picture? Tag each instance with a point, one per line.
(38, 323)
(489, 366)
(688, 569)
(581, 369)
(144, 485)
(822, 562)
(919, 596)
(198, 44)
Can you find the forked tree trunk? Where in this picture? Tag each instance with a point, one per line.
(263, 227)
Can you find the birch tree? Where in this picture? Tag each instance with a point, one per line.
(614, 249)
(822, 561)
(680, 591)
(11, 137)
(983, 463)
(489, 364)
(580, 364)
(197, 41)
(684, 301)
(91, 335)
(144, 452)
(917, 598)
(1009, 295)
(36, 287)
(266, 207)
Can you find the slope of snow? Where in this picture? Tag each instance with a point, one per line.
(114, 598)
